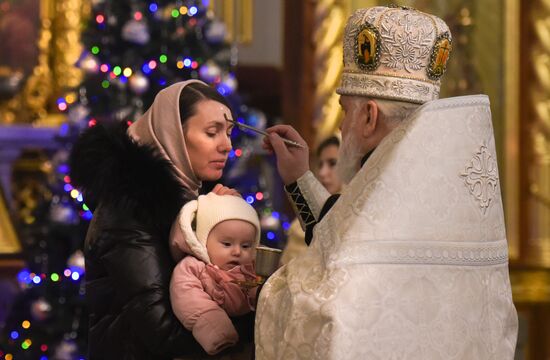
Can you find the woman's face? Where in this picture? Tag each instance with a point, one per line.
(207, 136)
(327, 169)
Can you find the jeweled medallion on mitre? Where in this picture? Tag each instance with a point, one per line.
(440, 55)
(367, 47)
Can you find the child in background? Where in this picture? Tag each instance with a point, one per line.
(221, 234)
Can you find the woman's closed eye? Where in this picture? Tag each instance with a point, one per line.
(214, 133)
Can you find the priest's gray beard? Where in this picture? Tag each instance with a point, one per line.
(349, 158)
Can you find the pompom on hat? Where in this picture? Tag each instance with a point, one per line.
(395, 53)
(206, 212)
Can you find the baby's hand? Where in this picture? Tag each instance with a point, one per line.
(219, 189)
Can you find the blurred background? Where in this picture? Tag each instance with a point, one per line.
(66, 65)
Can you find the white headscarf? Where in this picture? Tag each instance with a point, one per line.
(161, 128)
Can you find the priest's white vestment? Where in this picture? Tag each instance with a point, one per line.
(412, 260)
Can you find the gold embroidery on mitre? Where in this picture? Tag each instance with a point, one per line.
(440, 56)
(367, 47)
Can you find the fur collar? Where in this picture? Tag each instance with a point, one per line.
(111, 169)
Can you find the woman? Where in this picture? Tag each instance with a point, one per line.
(327, 156)
(139, 177)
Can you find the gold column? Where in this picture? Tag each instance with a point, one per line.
(512, 129)
(59, 47)
(8, 239)
(330, 19)
(66, 50)
(539, 143)
(238, 16)
(67, 44)
(30, 104)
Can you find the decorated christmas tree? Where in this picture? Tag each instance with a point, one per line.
(133, 49)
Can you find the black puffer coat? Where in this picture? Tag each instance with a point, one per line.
(128, 263)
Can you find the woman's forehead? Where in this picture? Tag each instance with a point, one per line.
(329, 150)
(213, 105)
(213, 111)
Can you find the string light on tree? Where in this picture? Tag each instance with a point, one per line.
(139, 83)
(89, 63)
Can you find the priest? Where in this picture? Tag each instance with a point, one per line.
(411, 261)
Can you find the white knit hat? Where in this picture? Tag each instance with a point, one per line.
(212, 209)
(207, 211)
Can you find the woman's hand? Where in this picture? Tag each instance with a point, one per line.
(219, 189)
(292, 161)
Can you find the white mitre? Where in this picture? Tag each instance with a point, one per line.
(412, 260)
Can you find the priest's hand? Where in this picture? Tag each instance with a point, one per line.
(292, 161)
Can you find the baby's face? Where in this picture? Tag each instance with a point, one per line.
(231, 243)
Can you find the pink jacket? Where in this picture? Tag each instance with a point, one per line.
(202, 295)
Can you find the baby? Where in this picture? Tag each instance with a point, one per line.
(221, 233)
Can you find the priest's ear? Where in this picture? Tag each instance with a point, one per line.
(369, 118)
